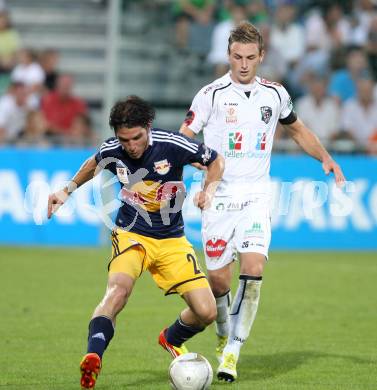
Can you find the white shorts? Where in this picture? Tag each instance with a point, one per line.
(231, 226)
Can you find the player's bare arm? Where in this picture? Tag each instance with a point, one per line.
(214, 174)
(185, 130)
(84, 174)
(310, 143)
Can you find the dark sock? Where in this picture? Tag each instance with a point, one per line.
(179, 332)
(101, 331)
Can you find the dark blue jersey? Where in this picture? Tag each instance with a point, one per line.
(152, 191)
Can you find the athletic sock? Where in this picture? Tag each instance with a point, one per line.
(101, 331)
(222, 320)
(179, 332)
(243, 312)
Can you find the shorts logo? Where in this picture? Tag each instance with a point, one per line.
(256, 231)
(234, 206)
(220, 207)
(256, 228)
(162, 167)
(190, 116)
(235, 141)
(266, 112)
(215, 247)
(261, 141)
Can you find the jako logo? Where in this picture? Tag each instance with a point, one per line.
(261, 141)
(235, 141)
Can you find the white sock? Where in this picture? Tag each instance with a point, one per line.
(222, 320)
(243, 312)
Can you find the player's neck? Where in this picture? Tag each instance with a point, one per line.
(244, 87)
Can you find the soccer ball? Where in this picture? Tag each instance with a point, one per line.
(190, 371)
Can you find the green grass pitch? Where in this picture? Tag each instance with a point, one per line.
(316, 327)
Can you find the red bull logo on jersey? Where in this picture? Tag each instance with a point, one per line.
(235, 141)
(215, 247)
(162, 167)
(151, 196)
(261, 141)
(132, 197)
(169, 190)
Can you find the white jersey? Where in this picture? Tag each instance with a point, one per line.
(239, 122)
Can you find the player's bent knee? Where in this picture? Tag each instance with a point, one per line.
(255, 270)
(212, 315)
(219, 285)
(207, 314)
(252, 264)
(219, 282)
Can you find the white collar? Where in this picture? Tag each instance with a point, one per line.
(244, 87)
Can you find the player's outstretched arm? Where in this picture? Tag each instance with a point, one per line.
(84, 174)
(215, 172)
(312, 145)
(185, 130)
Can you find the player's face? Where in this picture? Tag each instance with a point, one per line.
(244, 59)
(134, 140)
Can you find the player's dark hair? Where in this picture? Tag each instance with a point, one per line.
(246, 32)
(131, 112)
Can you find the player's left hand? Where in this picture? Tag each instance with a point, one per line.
(331, 166)
(202, 199)
(56, 200)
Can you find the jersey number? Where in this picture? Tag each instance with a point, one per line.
(190, 257)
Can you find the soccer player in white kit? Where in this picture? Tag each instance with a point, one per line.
(238, 114)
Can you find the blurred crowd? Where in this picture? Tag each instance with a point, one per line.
(37, 102)
(324, 52)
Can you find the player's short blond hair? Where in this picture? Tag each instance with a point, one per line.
(246, 32)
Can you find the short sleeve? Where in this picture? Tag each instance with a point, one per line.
(204, 156)
(98, 156)
(199, 113)
(287, 113)
(193, 151)
(105, 148)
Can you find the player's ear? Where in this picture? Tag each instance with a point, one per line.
(261, 57)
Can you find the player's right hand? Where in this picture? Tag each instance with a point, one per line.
(55, 200)
(331, 166)
(203, 199)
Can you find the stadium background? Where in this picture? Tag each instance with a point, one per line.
(155, 50)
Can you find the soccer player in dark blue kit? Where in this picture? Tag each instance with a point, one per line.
(149, 232)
